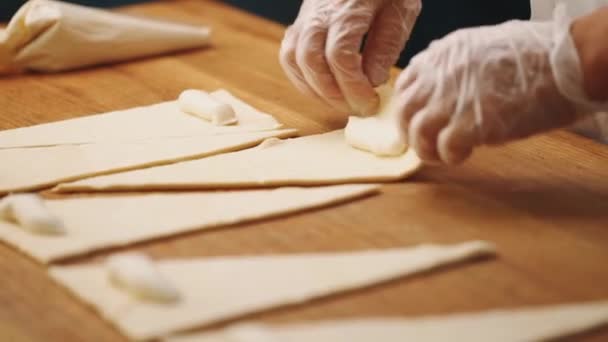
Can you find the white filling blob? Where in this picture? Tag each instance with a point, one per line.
(380, 134)
(203, 105)
(136, 274)
(29, 212)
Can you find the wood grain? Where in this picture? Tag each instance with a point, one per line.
(543, 201)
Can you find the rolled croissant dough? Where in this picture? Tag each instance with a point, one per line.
(311, 160)
(95, 223)
(141, 123)
(27, 169)
(217, 289)
(531, 324)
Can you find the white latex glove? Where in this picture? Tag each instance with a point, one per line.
(490, 85)
(320, 51)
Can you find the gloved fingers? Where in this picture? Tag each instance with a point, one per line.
(457, 140)
(344, 39)
(448, 101)
(422, 70)
(310, 58)
(388, 35)
(408, 104)
(413, 94)
(287, 59)
(425, 127)
(407, 77)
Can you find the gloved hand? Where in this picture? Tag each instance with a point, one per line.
(320, 51)
(490, 85)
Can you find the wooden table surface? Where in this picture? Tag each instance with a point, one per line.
(543, 201)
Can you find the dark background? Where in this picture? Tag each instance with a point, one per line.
(438, 17)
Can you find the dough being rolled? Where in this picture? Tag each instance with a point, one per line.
(46, 35)
(203, 105)
(322, 159)
(217, 289)
(381, 134)
(528, 324)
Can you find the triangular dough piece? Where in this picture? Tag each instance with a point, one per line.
(141, 123)
(94, 223)
(47, 35)
(312, 160)
(530, 324)
(217, 289)
(27, 169)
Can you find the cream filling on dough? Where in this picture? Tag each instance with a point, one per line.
(380, 134)
(203, 105)
(99, 222)
(321, 159)
(154, 122)
(136, 274)
(29, 212)
(223, 288)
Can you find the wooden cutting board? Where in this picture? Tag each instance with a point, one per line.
(543, 201)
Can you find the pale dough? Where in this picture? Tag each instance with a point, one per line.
(34, 168)
(216, 289)
(380, 134)
(50, 36)
(136, 124)
(311, 160)
(529, 324)
(94, 223)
